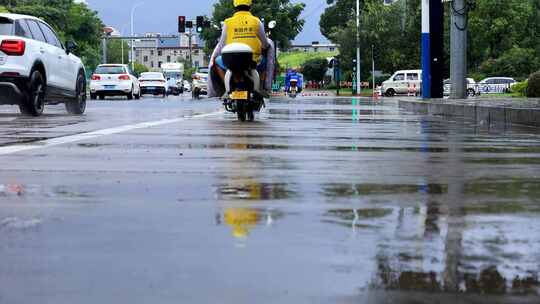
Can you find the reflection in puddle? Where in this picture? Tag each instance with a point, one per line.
(242, 220)
(21, 191)
(15, 223)
(478, 250)
(255, 191)
(347, 190)
(12, 189)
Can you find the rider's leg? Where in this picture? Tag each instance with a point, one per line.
(219, 72)
(261, 69)
(254, 75)
(227, 81)
(220, 68)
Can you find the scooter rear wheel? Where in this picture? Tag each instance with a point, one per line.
(240, 111)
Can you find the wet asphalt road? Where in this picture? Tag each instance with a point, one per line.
(320, 200)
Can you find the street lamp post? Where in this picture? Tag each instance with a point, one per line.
(358, 73)
(132, 34)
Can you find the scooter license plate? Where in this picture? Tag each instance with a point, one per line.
(239, 95)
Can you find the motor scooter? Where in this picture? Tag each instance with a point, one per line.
(242, 82)
(293, 90)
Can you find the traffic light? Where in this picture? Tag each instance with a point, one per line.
(181, 24)
(189, 24)
(200, 24)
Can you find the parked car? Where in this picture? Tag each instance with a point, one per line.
(37, 69)
(114, 80)
(473, 89)
(401, 81)
(496, 85)
(200, 83)
(153, 83)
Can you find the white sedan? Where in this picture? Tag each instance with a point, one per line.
(494, 85)
(114, 80)
(153, 83)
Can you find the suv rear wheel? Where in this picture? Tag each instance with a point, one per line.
(78, 104)
(34, 102)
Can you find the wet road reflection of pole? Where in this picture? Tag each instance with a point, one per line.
(456, 218)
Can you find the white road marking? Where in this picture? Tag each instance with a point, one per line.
(94, 134)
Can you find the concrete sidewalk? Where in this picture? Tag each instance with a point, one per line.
(482, 110)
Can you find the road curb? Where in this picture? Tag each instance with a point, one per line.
(482, 111)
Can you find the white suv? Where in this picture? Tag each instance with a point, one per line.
(35, 68)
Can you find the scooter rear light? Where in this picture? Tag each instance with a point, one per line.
(13, 47)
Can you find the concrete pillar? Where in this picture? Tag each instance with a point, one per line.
(458, 49)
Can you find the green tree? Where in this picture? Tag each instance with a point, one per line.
(285, 13)
(503, 35)
(393, 31)
(139, 68)
(72, 21)
(315, 69)
(518, 62)
(337, 16)
(114, 51)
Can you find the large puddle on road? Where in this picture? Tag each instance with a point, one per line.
(459, 215)
(319, 201)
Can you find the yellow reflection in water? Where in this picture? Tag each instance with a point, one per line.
(241, 220)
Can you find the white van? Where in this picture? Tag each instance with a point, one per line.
(400, 82)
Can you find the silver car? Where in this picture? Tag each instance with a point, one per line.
(473, 88)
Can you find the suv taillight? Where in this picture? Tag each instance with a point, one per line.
(124, 77)
(13, 47)
(96, 77)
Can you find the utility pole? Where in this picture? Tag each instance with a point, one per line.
(358, 73)
(458, 48)
(104, 50)
(190, 35)
(133, 8)
(373, 67)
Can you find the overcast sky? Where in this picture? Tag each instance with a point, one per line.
(161, 15)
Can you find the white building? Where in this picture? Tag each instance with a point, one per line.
(153, 50)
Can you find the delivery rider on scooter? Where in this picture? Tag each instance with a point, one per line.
(244, 28)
